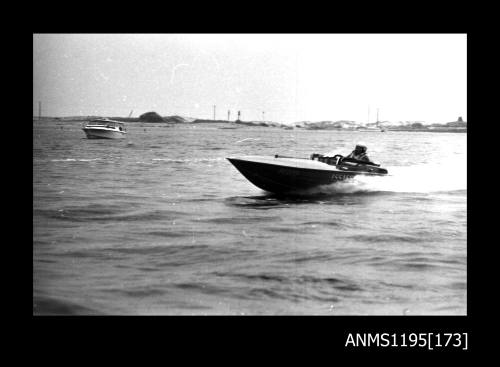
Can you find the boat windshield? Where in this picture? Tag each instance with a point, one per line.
(105, 122)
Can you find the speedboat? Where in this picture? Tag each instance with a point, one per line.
(104, 128)
(280, 174)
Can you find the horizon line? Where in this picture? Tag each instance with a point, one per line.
(225, 120)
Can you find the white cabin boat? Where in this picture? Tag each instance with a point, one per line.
(104, 128)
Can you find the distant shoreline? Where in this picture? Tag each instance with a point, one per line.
(329, 126)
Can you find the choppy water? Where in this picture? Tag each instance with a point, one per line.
(162, 223)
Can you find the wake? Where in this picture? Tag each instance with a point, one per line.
(423, 178)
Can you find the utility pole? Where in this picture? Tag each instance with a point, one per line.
(214, 112)
(39, 110)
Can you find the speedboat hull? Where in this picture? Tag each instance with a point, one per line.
(279, 175)
(100, 133)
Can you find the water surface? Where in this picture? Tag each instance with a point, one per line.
(162, 223)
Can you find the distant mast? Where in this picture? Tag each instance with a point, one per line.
(377, 118)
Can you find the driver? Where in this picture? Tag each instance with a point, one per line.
(359, 153)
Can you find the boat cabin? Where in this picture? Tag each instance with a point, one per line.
(105, 122)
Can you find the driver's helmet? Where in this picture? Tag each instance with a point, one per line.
(361, 147)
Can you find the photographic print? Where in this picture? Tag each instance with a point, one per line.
(250, 174)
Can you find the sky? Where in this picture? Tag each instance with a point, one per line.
(274, 77)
